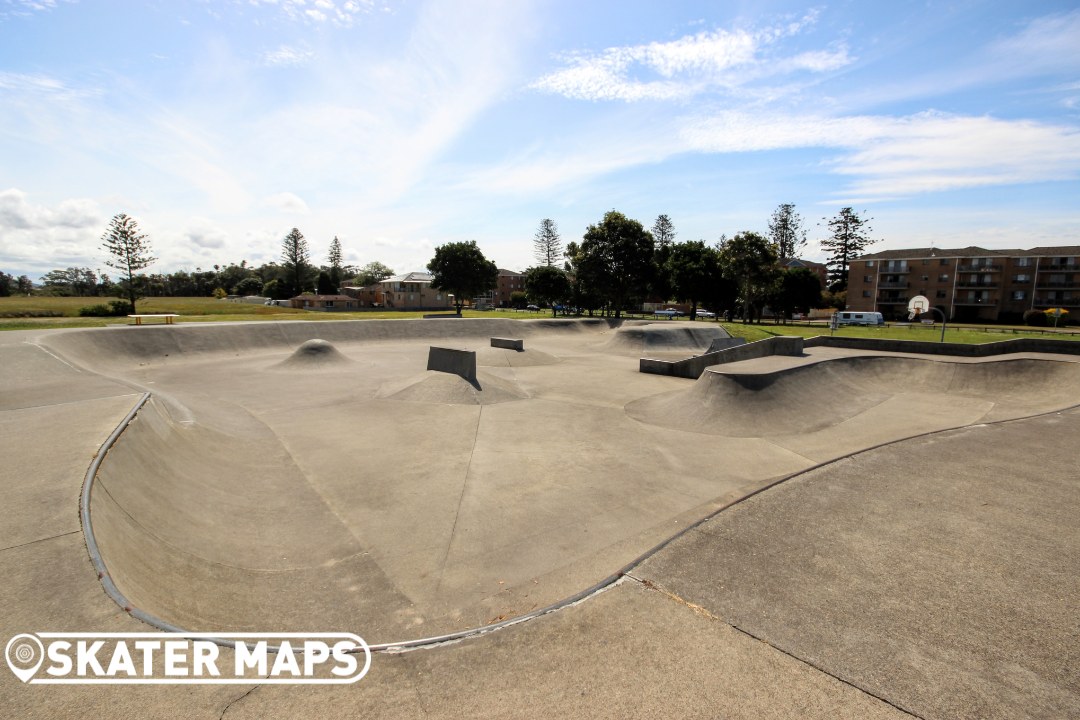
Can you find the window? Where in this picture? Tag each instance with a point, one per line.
(1022, 278)
(1018, 295)
(925, 278)
(1024, 262)
(944, 277)
(866, 293)
(868, 278)
(869, 263)
(940, 294)
(925, 261)
(944, 262)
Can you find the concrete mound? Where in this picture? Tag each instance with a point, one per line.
(811, 397)
(665, 337)
(442, 388)
(314, 354)
(499, 357)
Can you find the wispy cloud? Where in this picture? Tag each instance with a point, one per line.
(344, 13)
(688, 66)
(287, 202)
(287, 56)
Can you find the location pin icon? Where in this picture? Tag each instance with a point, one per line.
(24, 654)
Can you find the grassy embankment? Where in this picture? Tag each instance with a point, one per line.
(29, 313)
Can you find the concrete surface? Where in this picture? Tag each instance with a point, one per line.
(361, 496)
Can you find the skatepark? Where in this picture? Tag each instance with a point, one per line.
(838, 533)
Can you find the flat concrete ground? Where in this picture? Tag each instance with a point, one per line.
(935, 576)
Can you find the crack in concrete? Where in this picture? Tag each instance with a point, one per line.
(704, 612)
(461, 499)
(40, 540)
(237, 699)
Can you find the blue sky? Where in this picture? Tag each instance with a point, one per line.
(398, 126)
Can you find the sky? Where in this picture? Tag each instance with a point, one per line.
(400, 125)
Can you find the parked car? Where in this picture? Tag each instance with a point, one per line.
(705, 314)
(669, 313)
(532, 307)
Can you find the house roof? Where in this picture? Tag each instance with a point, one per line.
(799, 262)
(413, 277)
(321, 298)
(509, 272)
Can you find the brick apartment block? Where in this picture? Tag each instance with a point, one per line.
(969, 284)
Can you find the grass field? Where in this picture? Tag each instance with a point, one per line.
(29, 313)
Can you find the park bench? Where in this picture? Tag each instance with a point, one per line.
(168, 317)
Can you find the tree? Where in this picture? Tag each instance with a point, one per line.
(583, 293)
(129, 252)
(459, 268)
(334, 257)
(26, 286)
(796, 290)
(372, 273)
(693, 268)
(750, 260)
(325, 284)
(850, 236)
(251, 285)
(663, 231)
(294, 257)
(547, 285)
(547, 246)
(618, 254)
(7, 284)
(787, 232)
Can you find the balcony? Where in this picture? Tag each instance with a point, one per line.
(976, 301)
(978, 268)
(892, 301)
(1062, 303)
(903, 285)
(894, 270)
(976, 284)
(1057, 283)
(1065, 267)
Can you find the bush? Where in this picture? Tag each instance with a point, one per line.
(1035, 318)
(116, 308)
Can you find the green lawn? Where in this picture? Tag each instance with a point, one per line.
(28, 313)
(967, 334)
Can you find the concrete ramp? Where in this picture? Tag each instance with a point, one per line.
(665, 337)
(233, 536)
(824, 394)
(444, 388)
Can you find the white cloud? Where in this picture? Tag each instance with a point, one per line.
(37, 238)
(287, 56)
(17, 213)
(287, 202)
(688, 66)
(204, 234)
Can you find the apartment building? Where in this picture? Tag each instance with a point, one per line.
(510, 281)
(969, 284)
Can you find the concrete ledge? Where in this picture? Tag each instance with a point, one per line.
(508, 343)
(692, 368)
(455, 362)
(1001, 347)
(436, 316)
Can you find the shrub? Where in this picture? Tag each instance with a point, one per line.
(1035, 318)
(116, 308)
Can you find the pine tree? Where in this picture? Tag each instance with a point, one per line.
(130, 251)
(850, 236)
(786, 231)
(294, 256)
(334, 259)
(547, 244)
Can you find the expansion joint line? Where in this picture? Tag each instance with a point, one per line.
(461, 499)
(705, 612)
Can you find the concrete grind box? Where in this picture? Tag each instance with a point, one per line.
(455, 362)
